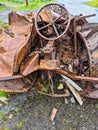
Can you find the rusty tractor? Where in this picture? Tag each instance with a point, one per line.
(51, 43)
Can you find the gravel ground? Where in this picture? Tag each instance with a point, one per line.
(31, 111)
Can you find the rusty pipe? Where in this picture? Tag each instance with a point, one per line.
(75, 77)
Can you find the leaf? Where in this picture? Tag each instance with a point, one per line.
(60, 86)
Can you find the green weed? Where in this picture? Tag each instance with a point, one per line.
(93, 3)
(3, 94)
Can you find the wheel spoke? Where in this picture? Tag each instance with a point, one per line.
(44, 27)
(55, 30)
(60, 16)
(65, 22)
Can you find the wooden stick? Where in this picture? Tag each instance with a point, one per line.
(53, 114)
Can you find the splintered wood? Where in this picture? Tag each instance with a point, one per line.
(53, 114)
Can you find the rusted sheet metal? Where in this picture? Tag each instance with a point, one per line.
(53, 41)
(14, 86)
(18, 83)
(93, 93)
(48, 64)
(13, 50)
(30, 65)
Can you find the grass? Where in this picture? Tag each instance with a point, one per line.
(93, 3)
(3, 94)
(34, 4)
(3, 7)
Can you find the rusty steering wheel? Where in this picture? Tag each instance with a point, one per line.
(52, 21)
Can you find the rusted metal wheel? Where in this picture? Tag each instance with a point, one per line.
(52, 21)
(88, 34)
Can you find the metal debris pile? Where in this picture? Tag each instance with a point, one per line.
(54, 42)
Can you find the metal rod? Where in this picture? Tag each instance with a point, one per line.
(75, 77)
(11, 77)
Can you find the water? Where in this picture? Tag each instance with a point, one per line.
(76, 7)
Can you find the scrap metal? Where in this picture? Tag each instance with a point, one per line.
(51, 42)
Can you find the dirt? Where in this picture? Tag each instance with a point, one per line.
(31, 111)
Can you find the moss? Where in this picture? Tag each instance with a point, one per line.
(17, 110)
(65, 120)
(1, 115)
(96, 106)
(4, 129)
(58, 104)
(19, 125)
